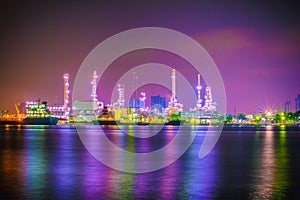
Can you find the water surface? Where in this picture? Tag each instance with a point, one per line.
(50, 162)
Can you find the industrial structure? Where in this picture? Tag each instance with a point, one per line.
(287, 106)
(62, 111)
(66, 97)
(173, 100)
(94, 86)
(209, 105)
(137, 105)
(297, 103)
(199, 100)
(121, 96)
(135, 111)
(159, 103)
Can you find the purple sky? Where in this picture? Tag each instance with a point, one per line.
(254, 44)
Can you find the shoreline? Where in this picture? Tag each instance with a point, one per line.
(224, 127)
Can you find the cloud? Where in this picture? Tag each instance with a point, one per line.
(224, 39)
(280, 42)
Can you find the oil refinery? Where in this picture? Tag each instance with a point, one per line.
(135, 112)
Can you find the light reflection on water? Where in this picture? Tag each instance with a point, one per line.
(43, 162)
(265, 167)
(282, 167)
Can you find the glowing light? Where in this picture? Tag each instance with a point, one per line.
(199, 100)
(173, 101)
(269, 127)
(66, 107)
(121, 97)
(94, 86)
(173, 97)
(208, 105)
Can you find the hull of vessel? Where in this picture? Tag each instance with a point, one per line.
(113, 122)
(174, 123)
(8, 122)
(106, 122)
(40, 121)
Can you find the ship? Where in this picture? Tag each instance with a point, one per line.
(106, 117)
(142, 119)
(40, 121)
(9, 121)
(38, 114)
(174, 122)
(174, 117)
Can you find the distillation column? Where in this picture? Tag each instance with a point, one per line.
(66, 96)
(173, 77)
(94, 86)
(199, 100)
(121, 97)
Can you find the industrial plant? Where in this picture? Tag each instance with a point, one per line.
(121, 111)
(137, 112)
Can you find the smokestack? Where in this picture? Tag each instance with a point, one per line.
(173, 77)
